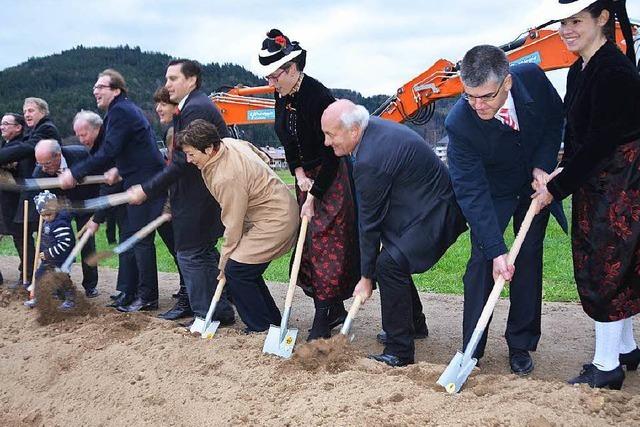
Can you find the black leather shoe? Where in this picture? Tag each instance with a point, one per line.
(228, 321)
(630, 360)
(520, 361)
(122, 300)
(391, 360)
(116, 296)
(180, 310)
(91, 293)
(382, 336)
(138, 305)
(596, 378)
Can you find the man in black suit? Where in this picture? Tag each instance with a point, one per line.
(504, 133)
(405, 203)
(38, 126)
(129, 143)
(52, 161)
(196, 215)
(15, 158)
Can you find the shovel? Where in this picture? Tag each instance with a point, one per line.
(25, 230)
(131, 241)
(66, 266)
(458, 370)
(280, 340)
(94, 204)
(205, 327)
(353, 310)
(9, 183)
(36, 259)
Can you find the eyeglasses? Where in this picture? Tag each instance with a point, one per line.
(274, 76)
(100, 87)
(487, 97)
(8, 124)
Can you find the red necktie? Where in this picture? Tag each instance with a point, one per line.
(507, 119)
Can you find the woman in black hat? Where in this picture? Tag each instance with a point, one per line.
(601, 169)
(330, 260)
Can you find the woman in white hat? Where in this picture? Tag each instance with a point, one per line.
(601, 169)
(330, 260)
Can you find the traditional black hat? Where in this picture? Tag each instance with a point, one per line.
(277, 50)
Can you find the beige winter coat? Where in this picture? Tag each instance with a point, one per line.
(259, 213)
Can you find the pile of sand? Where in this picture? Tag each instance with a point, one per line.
(110, 368)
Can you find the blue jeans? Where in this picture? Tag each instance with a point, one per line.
(199, 268)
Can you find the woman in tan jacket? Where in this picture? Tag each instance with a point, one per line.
(259, 213)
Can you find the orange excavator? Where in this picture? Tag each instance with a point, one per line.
(415, 101)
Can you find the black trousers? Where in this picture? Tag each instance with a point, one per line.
(525, 290)
(166, 234)
(89, 273)
(251, 296)
(401, 306)
(127, 280)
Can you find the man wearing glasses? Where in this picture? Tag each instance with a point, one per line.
(16, 158)
(504, 136)
(130, 144)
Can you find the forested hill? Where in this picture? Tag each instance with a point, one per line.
(65, 81)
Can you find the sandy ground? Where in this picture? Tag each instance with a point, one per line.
(120, 369)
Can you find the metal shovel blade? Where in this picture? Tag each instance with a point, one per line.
(274, 345)
(456, 374)
(200, 326)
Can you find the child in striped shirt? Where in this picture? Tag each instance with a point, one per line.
(56, 243)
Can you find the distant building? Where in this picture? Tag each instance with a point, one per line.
(277, 159)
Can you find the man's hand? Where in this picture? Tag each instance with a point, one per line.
(92, 227)
(136, 194)
(220, 276)
(308, 208)
(364, 288)
(540, 178)
(502, 268)
(304, 183)
(67, 180)
(112, 176)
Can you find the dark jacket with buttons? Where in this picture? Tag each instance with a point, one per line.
(23, 152)
(196, 214)
(306, 148)
(489, 161)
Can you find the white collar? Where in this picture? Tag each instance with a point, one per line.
(511, 106)
(183, 101)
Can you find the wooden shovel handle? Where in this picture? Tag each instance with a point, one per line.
(218, 294)
(296, 262)
(25, 230)
(36, 258)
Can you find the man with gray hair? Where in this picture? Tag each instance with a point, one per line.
(86, 126)
(52, 161)
(504, 136)
(405, 203)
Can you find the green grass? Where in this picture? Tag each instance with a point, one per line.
(444, 277)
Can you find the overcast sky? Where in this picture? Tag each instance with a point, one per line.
(370, 46)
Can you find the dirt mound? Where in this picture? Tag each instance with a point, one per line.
(332, 355)
(52, 288)
(112, 369)
(7, 296)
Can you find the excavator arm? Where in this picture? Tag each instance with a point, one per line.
(414, 101)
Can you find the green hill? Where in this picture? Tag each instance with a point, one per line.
(65, 81)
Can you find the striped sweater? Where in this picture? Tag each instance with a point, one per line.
(57, 239)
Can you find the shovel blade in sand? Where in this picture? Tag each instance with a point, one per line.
(457, 372)
(200, 326)
(280, 347)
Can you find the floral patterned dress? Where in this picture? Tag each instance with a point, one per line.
(602, 171)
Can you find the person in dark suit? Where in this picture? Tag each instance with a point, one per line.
(52, 161)
(405, 203)
(39, 126)
(196, 215)
(130, 143)
(12, 128)
(503, 133)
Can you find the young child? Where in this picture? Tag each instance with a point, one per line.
(56, 243)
